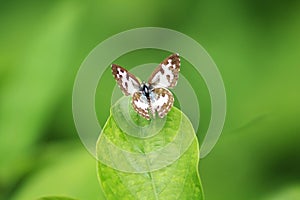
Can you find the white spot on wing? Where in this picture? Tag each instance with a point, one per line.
(141, 104)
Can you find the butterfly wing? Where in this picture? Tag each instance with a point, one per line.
(141, 104)
(166, 74)
(161, 101)
(128, 83)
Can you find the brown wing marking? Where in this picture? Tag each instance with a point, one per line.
(125, 80)
(166, 74)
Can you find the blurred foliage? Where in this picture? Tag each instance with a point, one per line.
(254, 43)
(55, 198)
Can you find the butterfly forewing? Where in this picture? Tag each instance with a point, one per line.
(161, 102)
(166, 74)
(128, 83)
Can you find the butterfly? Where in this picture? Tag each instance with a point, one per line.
(149, 98)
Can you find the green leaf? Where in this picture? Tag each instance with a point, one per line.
(162, 164)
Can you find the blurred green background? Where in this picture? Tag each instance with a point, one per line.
(255, 44)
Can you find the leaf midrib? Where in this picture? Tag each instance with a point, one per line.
(152, 179)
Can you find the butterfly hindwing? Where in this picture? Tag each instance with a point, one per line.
(161, 102)
(140, 104)
(166, 74)
(128, 83)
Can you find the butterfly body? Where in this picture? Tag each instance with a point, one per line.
(153, 96)
(146, 89)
